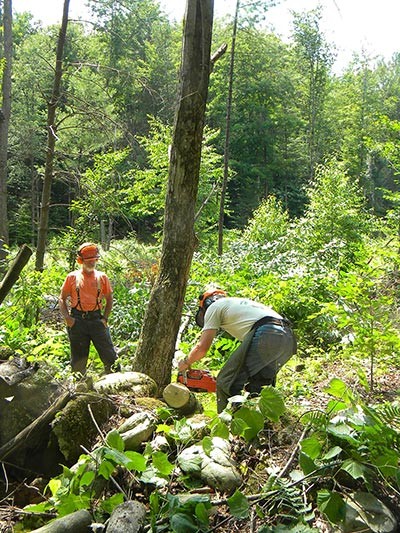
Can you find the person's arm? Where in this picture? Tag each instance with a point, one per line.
(62, 305)
(199, 350)
(107, 308)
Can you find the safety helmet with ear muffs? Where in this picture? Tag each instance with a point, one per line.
(86, 251)
(206, 299)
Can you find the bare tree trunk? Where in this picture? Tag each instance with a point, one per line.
(51, 141)
(14, 271)
(156, 345)
(227, 134)
(5, 116)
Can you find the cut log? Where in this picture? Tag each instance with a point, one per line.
(179, 397)
(78, 522)
(129, 516)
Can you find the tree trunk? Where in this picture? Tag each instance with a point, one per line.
(78, 522)
(156, 345)
(5, 116)
(51, 141)
(227, 135)
(14, 271)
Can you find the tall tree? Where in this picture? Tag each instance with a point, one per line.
(51, 141)
(227, 133)
(5, 115)
(157, 340)
(314, 60)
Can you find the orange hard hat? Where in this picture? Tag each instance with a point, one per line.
(88, 250)
(212, 291)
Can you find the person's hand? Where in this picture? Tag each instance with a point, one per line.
(70, 321)
(183, 365)
(105, 322)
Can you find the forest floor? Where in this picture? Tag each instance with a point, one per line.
(275, 450)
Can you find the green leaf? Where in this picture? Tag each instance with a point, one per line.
(311, 447)
(117, 457)
(106, 469)
(202, 513)
(307, 464)
(332, 505)
(220, 430)
(238, 505)
(114, 440)
(54, 485)
(247, 422)
(271, 403)
(161, 463)
(42, 507)
(87, 478)
(343, 432)
(355, 469)
(340, 390)
(136, 461)
(207, 445)
(111, 503)
(182, 523)
(333, 452)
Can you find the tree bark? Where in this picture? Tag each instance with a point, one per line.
(227, 134)
(5, 116)
(14, 271)
(156, 345)
(51, 141)
(78, 522)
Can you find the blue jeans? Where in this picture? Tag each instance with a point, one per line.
(270, 348)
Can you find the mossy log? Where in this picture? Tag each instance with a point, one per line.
(179, 397)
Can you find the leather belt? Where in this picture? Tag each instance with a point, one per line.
(282, 322)
(86, 315)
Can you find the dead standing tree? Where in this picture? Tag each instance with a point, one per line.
(156, 345)
(51, 142)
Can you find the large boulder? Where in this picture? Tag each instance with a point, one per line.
(77, 424)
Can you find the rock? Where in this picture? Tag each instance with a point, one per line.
(134, 383)
(364, 512)
(216, 469)
(129, 516)
(74, 426)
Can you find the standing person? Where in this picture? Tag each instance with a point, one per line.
(81, 303)
(267, 342)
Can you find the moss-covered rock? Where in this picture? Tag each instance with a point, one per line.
(74, 426)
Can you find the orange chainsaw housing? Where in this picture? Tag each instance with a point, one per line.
(198, 380)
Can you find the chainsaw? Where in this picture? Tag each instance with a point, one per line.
(198, 380)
